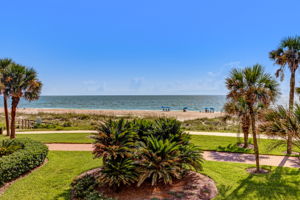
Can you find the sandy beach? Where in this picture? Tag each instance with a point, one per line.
(180, 115)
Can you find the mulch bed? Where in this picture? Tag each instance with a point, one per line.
(193, 186)
(250, 146)
(252, 170)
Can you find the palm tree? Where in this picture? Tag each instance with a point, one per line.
(240, 109)
(22, 82)
(281, 122)
(288, 54)
(258, 89)
(4, 63)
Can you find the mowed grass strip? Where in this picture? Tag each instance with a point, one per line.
(58, 137)
(52, 181)
(206, 142)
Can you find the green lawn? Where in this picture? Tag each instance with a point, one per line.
(234, 183)
(52, 180)
(58, 137)
(219, 143)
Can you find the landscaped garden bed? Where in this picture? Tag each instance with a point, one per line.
(145, 159)
(22, 155)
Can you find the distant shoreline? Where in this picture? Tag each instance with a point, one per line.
(180, 115)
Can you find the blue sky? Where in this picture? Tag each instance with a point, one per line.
(142, 46)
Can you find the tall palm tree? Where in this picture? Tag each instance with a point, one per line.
(288, 54)
(22, 82)
(4, 63)
(240, 109)
(258, 89)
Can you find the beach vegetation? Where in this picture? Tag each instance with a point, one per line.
(258, 89)
(288, 55)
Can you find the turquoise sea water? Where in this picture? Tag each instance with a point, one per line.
(176, 102)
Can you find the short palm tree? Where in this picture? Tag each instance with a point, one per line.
(281, 122)
(160, 161)
(239, 108)
(4, 63)
(258, 89)
(118, 172)
(22, 82)
(288, 54)
(115, 139)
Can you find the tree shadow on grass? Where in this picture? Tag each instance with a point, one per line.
(65, 195)
(272, 186)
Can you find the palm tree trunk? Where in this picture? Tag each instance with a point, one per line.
(291, 107)
(245, 127)
(256, 150)
(14, 104)
(6, 114)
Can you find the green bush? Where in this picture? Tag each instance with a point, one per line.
(9, 146)
(19, 162)
(143, 150)
(84, 188)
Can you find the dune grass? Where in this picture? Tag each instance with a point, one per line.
(52, 181)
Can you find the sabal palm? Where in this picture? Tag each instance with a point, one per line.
(239, 108)
(4, 63)
(258, 89)
(288, 54)
(281, 122)
(22, 82)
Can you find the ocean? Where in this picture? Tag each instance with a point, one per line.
(149, 102)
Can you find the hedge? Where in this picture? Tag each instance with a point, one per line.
(14, 165)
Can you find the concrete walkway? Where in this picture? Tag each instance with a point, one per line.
(191, 132)
(283, 161)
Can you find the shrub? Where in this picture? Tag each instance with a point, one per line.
(115, 139)
(140, 150)
(19, 162)
(160, 160)
(9, 146)
(84, 188)
(118, 172)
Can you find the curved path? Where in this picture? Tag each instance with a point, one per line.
(282, 161)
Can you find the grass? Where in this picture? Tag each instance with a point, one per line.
(52, 180)
(59, 137)
(206, 142)
(221, 143)
(234, 183)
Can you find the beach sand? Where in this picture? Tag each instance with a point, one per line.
(180, 115)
